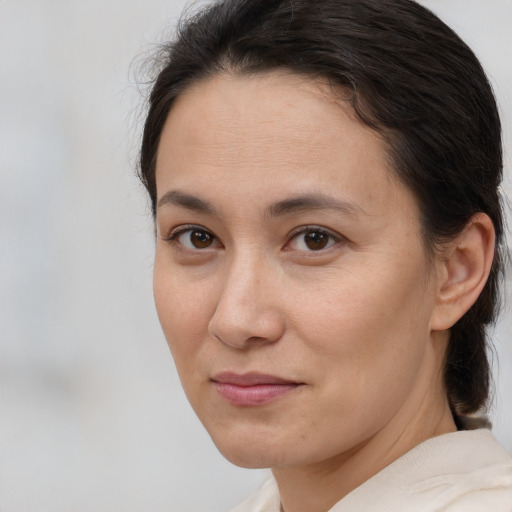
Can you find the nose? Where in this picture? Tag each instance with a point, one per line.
(246, 312)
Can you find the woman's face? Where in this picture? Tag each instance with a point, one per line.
(290, 277)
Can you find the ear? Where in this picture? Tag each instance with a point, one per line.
(463, 267)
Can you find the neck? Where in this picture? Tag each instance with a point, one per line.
(319, 486)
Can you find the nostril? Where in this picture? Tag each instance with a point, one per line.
(256, 326)
(246, 311)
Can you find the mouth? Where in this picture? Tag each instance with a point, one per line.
(252, 389)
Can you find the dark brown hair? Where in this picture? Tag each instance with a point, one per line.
(410, 78)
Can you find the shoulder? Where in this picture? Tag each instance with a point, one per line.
(464, 471)
(265, 499)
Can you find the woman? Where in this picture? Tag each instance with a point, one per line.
(324, 179)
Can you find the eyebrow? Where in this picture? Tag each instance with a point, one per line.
(290, 206)
(309, 202)
(177, 198)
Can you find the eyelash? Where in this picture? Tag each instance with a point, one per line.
(173, 236)
(305, 230)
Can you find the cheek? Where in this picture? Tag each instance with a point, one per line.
(372, 327)
(182, 310)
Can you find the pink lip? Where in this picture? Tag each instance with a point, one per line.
(252, 389)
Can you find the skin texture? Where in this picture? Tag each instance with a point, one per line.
(361, 324)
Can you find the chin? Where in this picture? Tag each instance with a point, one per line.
(249, 460)
(250, 452)
(245, 455)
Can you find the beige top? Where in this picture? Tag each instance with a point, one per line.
(465, 471)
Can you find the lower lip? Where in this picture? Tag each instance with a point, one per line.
(259, 394)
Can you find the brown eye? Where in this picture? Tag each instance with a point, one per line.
(316, 240)
(194, 239)
(200, 239)
(313, 239)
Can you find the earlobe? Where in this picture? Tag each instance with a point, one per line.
(462, 271)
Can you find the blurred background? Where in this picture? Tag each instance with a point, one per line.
(92, 416)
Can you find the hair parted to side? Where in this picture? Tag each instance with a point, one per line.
(410, 78)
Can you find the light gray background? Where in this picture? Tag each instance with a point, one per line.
(92, 417)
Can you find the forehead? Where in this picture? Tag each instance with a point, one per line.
(275, 131)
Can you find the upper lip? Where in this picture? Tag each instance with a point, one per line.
(250, 379)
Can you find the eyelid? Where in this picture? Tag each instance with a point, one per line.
(177, 231)
(301, 230)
